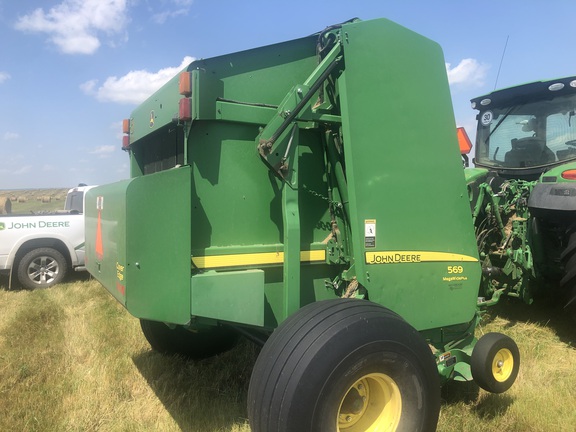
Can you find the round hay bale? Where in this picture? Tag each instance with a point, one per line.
(38, 198)
(22, 199)
(5, 205)
(46, 199)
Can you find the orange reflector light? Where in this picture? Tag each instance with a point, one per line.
(126, 126)
(184, 110)
(185, 84)
(125, 142)
(569, 175)
(463, 141)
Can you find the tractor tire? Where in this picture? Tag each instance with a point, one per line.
(495, 362)
(41, 268)
(344, 365)
(193, 345)
(568, 282)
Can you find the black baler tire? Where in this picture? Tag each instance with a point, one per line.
(317, 354)
(57, 264)
(193, 345)
(483, 355)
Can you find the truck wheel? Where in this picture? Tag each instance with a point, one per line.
(42, 268)
(203, 344)
(495, 362)
(344, 365)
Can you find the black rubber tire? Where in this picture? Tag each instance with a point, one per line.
(488, 351)
(42, 268)
(314, 357)
(193, 345)
(568, 282)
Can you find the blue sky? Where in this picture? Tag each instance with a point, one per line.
(71, 70)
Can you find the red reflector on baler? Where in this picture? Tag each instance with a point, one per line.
(569, 175)
(184, 110)
(125, 142)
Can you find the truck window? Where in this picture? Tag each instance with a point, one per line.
(74, 202)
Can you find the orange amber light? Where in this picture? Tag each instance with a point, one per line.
(126, 126)
(463, 141)
(185, 84)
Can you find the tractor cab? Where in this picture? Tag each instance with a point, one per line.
(525, 130)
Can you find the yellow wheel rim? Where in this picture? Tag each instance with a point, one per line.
(502, 365)
(371, 404)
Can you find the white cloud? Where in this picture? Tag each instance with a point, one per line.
(26, 169)
(89, 86)
(4, 76)
(9, 136)
(103, 150)
(134, 87)
(468, 73)
(117, 128)
(174, 9)
(75, 26)
(183, 3)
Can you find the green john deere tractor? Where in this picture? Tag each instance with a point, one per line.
(523, 191)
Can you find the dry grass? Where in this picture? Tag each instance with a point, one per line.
(71, 359)
(542, 399)
(26, 201)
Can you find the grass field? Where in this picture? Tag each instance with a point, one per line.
(72, 359)
(25, 201)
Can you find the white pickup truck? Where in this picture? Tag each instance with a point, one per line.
(39, 249)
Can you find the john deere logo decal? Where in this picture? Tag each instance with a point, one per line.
(152, 118)
(2, 226)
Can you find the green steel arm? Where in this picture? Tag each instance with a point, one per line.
(273, 139)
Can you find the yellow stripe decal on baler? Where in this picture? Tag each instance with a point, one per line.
(406, 257)
(239, 260)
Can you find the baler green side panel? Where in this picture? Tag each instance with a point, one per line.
(144, 240)
(105, 221)
(263, 75)
(405, 177)
(235, 296)
(236, 207)
(156, 112)
(158, 253)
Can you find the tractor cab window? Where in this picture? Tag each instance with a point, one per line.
(530, 135)
(561, 134)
